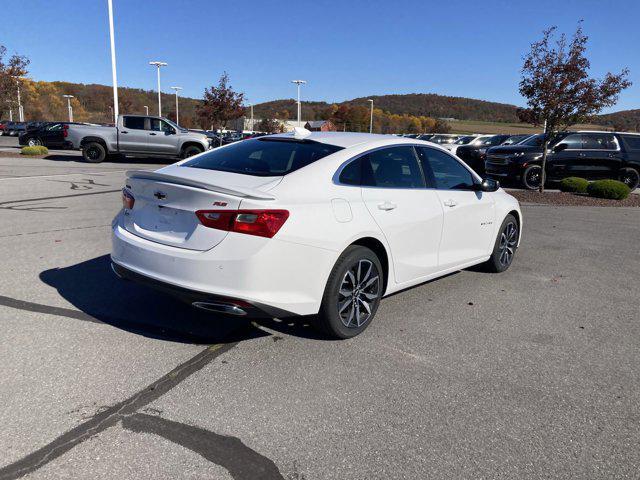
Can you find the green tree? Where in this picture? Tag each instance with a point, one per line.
(11, 71)
(559, 92)
(220, 105)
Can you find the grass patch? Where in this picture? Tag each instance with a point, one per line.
(574, 185)
(36, 150)
(610, 189)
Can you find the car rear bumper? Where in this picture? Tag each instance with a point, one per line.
(274, 275)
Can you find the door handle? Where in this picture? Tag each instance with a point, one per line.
(450, 203)
(581, 155)
(124, 132)
(387, 206)
(152, 134)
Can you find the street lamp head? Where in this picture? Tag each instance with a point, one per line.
(176, 88)
(299, 82)
(67, 96)
(370, 100)
(158, 64)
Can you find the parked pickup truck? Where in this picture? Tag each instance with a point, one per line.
(136, 135)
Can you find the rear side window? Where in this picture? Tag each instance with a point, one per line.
(393, 167)
(632, 141)
(135, 123)
(599, 141)
(443, 171)
(573, 142)
(263, 157)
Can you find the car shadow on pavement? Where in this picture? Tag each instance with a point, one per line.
(63, 157)
(93, 288)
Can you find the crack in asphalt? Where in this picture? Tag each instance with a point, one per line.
(55, 231)
(109, 417)
(229, 452)
(7, 204)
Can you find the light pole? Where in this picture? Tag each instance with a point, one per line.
(177, 89)
(146, 110)
(113, 64)
(69, 97)
(158, 65)
(10, 111)
(251, 107)
(20, 109)
(371, 118)
(298, 83)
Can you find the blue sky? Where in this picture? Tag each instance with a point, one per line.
(344, 49)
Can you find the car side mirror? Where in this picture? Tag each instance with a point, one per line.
(560, 147)
(488, 185)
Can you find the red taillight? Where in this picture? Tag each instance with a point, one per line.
(65, 133)
(127, 199)
(263, 223)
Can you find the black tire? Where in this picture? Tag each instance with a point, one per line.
(33, 142)
(505, 247)
(94, 152)
(630, 177)
(531, 177)
(190, 151)
(358, 292)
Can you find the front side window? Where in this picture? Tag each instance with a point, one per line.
(573, 142)
(632, 141)
(158, 125)
(443, 171)
(599, 141)
(135, 123)
(263, 157)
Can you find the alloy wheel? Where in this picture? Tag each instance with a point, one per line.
(359, 291)
(533, 178)
(630, 179)
(508, 243)
(93, 153)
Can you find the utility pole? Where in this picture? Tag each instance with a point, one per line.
(371, 119)
(69, 97)
(20, 109)
(298, 83)
(158, 65)
(113, 64)
(176, 89)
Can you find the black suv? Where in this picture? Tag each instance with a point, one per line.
(590, 155)
(474, 153)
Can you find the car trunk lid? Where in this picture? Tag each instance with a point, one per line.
(166, 202)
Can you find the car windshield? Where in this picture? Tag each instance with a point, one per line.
(464, 140)
(534, 140)
(263, 157)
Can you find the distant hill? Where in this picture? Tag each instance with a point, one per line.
(417, 104)
(43, 101)
(625, 120)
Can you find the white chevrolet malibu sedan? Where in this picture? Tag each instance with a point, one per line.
(303, 223)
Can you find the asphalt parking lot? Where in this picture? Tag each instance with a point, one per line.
(534, 373)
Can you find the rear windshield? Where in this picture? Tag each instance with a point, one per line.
(263, 157)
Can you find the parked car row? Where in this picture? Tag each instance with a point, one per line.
(12, 129)
(592, 155)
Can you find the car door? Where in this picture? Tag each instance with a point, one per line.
(162, 138)
(134, 135)
(52, 135)
(566, 158)
(469, 215)
(408, 214)
(602, 157)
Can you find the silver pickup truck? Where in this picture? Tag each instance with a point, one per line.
(136, 135)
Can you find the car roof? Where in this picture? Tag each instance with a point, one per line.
(345, 139)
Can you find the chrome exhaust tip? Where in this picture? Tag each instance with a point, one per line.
(227, 308)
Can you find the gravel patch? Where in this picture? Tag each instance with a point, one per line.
(564, 198)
